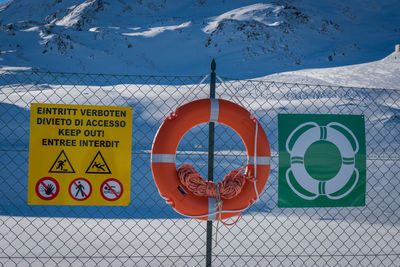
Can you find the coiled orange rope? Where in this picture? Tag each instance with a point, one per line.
(228, 188)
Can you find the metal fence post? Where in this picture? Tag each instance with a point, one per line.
(210, 164)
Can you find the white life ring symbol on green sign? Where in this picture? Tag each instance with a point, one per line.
(334, 133)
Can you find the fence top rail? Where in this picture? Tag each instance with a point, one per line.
(35, 71)
(147, 78)
(280, 83)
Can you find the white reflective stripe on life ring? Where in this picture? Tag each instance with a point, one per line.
(212, 209)
(163, 158)
(214, 112)
(260, 160)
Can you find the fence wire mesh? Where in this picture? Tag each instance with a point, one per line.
(148, 232)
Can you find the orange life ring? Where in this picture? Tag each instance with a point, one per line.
(166, 142)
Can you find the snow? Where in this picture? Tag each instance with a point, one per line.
(248, 39)
(265, 235)
(74, 15)
(256, 12)
(147, 227)
(384, 73)
(131, 242)
(151, 32)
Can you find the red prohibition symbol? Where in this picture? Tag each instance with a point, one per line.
(47, 188)
(111, 189)
(80, 189)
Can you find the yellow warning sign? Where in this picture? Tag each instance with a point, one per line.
(79, 155)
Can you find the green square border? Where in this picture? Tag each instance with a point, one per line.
(286, 124)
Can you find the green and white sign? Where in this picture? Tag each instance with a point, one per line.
(322, 160)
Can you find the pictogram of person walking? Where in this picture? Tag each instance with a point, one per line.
(61, 164)
(80, 188)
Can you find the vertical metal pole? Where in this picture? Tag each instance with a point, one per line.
(210, 164)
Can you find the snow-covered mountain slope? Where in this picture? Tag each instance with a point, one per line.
(247, 38)
(384, 73)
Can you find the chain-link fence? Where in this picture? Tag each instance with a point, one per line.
(148, 232)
